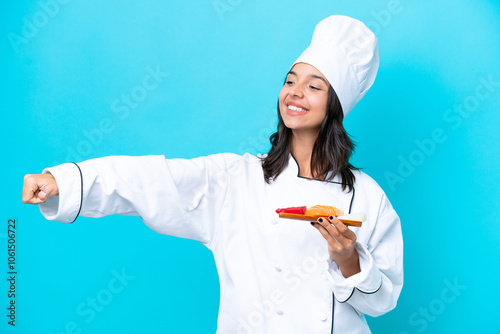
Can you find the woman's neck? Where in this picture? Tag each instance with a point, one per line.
(302, 147)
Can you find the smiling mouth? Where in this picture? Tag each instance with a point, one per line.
(294, 108)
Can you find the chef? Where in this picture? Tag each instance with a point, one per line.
(277, 275)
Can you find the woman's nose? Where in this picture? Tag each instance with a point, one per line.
(296, 90)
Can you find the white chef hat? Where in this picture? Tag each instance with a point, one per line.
(345, 51)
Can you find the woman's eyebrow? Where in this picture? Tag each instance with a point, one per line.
(318, 77)
(311, 75)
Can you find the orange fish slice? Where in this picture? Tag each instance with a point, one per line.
(323, 211)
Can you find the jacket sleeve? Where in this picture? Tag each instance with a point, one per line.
(375, 290)
(177, 197)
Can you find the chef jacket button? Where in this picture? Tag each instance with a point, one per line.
(274, 222)
(278, 269)
(279, 312)
(323, 317)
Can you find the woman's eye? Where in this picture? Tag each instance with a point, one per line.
(288, 82)
(314, 88)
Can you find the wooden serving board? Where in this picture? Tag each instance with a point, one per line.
(347, 222)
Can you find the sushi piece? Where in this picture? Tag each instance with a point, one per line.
(316, 211)
(324, 211)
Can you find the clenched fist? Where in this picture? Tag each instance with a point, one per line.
(38, 188)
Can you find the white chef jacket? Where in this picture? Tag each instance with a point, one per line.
(276, 275)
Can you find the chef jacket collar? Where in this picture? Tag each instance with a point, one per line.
(294, 169)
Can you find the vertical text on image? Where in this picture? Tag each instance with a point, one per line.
(11, 271)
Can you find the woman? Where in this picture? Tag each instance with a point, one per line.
(276, 276)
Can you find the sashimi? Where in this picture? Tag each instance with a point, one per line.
(323, 211)
(300, 210)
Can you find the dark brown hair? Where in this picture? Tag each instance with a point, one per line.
(331, 151)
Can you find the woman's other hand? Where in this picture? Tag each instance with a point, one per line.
(341, 242)
(38, 188)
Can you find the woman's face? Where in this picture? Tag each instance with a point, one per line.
(303, 98)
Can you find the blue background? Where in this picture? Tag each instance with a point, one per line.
(62, 85)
